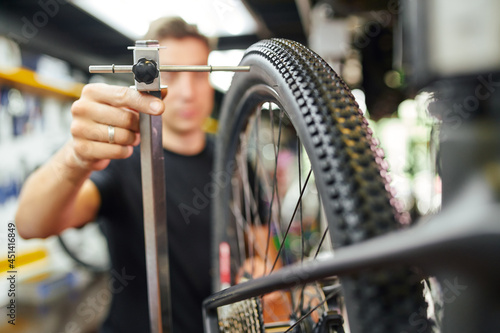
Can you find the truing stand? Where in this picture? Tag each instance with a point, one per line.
(146, 70)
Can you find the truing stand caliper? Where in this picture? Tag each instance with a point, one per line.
(146, 70)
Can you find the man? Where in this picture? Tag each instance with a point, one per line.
(95, 176)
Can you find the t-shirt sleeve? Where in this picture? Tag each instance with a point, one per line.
(106, 182)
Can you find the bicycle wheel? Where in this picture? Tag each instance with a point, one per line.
(298, 170)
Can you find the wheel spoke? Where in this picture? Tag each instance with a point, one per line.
(256, 185)
(275, 193)
(321, 242)
(291, 220)
(326, 299)
(303, 247)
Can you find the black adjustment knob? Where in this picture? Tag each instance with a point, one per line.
(145, 71)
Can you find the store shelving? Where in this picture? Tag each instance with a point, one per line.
(29, 81)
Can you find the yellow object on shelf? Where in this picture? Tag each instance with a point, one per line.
(27, 80)
(23, 259)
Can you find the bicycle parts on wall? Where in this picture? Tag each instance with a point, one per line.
(299, 171)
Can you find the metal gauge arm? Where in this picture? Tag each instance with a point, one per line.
(146, 71)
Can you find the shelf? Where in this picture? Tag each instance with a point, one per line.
(27, 80)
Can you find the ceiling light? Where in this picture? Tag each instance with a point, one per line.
(214, 18)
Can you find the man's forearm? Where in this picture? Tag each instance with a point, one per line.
(47, 199)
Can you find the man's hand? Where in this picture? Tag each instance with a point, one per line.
(99, 107)
(59, 195)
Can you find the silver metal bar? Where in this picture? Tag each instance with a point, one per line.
(154, 202)
(169, 68)
(207, 68)
(111, 69)
(155, 223)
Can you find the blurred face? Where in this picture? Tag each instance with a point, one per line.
(190, 97)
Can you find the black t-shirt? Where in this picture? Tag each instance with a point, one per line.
(188, 187)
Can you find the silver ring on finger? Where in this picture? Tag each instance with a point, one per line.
(111, 134)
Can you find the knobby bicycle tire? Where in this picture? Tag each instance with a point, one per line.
(348, 166)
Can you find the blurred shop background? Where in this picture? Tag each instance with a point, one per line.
(46, 47)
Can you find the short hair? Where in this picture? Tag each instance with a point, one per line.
(175, 27)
